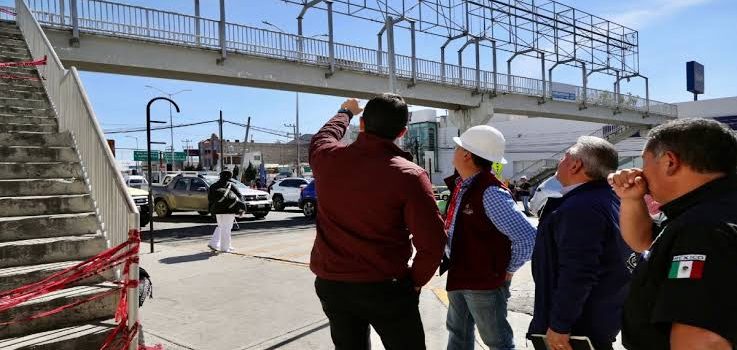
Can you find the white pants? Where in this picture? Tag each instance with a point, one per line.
(221, 237)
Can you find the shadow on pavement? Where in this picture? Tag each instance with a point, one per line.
(247, 226)
(187, 258)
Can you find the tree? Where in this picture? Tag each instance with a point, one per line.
(250, 173)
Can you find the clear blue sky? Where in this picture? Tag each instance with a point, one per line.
(671, 33)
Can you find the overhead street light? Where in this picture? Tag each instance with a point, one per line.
(171, 123)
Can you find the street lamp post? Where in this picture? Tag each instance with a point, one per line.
(138, 163)
(171, 120)
(148, 159)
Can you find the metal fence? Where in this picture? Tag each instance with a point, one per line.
(6, 13)
(611, 133)
(109, 18)
(116, 211)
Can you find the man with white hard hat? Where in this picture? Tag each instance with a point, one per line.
(488, 240)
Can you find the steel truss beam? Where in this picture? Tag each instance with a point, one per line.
(557, 31)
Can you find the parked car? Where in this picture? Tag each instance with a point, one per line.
(140, 197)
(308, 200)
(550, 188)
(136, 181)
(285, 192)
(439, 191)
(189, 193)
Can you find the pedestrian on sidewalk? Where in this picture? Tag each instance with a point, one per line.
(683, 291)
(580, 261)
(488, 240)
(375, 204)
(225, 201)
(523, 191)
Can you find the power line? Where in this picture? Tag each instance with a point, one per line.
(263, 130)
(125, 131)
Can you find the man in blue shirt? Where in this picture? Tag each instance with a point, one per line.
(488, 240)
(580, 262)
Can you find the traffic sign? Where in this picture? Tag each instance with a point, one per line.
(140, 156)
(178, 156)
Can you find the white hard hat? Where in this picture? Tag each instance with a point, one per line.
(483, 141)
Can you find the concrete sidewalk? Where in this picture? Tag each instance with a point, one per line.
(236, 301)
(263, 296)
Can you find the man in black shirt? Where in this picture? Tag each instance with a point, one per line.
(684, 291)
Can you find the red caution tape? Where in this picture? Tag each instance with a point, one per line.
(125, 253)
(31, 63)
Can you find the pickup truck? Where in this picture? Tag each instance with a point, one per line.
(189, 193)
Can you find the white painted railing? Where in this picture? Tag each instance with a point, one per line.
(116, 211)
(109, 18)
(611, 133)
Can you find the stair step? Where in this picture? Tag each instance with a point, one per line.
(41, 187)
(12, 42)
(103, 308)
(40, 128)
(11, 33)
(13, 56)
(24, 102)
(50, 170)
(49, 250)
(45, 205)
(62, 139)
(14, 277)
(20, 119)
(20, 74)
(14, 49)
(89, 336)
(38, 154)
(38, 94)
(23, 85)
(41, 112)
(47, 226)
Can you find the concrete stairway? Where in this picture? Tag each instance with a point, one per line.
(619, 135)
(47, 217)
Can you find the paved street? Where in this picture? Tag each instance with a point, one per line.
(262, 297)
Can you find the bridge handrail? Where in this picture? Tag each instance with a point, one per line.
(116, 212)
(179, 28)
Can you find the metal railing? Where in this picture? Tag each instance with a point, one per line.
(611, 133)
(6, 13)
(109, 18)
(116, 212)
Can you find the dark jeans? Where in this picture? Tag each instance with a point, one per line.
(391, 308)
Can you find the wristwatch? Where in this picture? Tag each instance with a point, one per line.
(346, 111)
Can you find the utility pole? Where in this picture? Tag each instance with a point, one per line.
(296, 140)
(186, 143)
(245, 144)
(299, 140)
(220, 159)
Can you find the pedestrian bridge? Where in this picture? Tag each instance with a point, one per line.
(103, 36)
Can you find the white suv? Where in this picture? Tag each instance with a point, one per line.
(285, 192)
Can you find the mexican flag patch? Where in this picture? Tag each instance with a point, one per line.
(689, 266)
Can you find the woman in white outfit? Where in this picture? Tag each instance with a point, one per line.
(224, 202)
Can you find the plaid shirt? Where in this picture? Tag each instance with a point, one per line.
(501, 210)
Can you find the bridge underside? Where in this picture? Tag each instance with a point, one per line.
(105, 54)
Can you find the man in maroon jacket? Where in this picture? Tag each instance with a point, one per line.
(375, 204)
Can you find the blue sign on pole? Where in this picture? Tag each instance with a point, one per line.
(695, 77)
